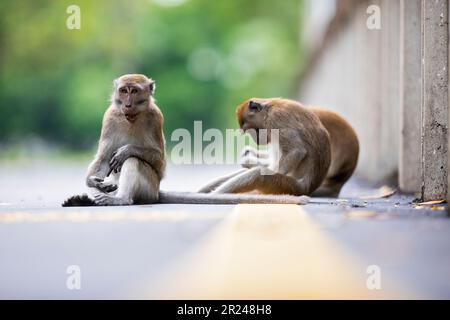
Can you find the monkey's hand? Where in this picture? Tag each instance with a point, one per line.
(118, 158)
(249, 151)
(251, 158)
(253, 152)
(100, 184)
(249, 161)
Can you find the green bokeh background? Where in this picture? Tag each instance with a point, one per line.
(205, 55)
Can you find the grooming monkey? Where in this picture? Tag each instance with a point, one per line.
(131, 154)
(318, 151)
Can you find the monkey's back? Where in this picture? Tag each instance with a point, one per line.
(344, 144)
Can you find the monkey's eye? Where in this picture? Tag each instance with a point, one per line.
(254, 106)
(123, 90)
(134, 90)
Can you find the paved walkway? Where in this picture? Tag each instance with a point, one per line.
(330, 248)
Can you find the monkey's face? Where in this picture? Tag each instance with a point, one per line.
(251, 116)
(132, 95)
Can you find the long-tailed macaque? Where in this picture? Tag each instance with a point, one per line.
(130, 159)
(318, 151)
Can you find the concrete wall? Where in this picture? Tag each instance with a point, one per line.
(435, 40)
(410, 152)
(358, 75)
(448, 160)
(391, 83)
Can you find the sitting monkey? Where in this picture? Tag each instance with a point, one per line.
(318, 151)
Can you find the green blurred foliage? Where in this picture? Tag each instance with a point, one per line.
(205, 55)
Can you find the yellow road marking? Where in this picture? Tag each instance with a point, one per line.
(269, 252)
(110, 216)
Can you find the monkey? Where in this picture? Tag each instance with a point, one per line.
(303, 145)
(131, 146)
(130, 160)
(344, 153)
(319, 150)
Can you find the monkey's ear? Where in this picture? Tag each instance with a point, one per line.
(254, 106)
(152, 86)
(115, 83)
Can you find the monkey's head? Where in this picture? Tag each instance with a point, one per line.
(252, 116)
(132, 94)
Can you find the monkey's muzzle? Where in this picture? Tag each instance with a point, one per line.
(131, 117)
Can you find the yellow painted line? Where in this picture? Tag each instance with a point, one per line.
(268, 252)
(81, 216)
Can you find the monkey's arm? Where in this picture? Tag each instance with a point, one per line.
(97, 172)
(153, 156)
(291, 160)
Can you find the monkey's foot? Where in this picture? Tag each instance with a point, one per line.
(107, 200)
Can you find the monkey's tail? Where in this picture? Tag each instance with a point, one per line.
(212, 198)
(79, 201)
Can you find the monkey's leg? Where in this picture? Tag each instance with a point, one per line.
(218, 181)
(252, 179)
(332, 185)
(138, 184)
(326, 191)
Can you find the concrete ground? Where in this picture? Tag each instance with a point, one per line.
(327, 248)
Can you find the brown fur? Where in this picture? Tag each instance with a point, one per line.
(344, 152)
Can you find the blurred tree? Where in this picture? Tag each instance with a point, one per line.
(206, 57)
